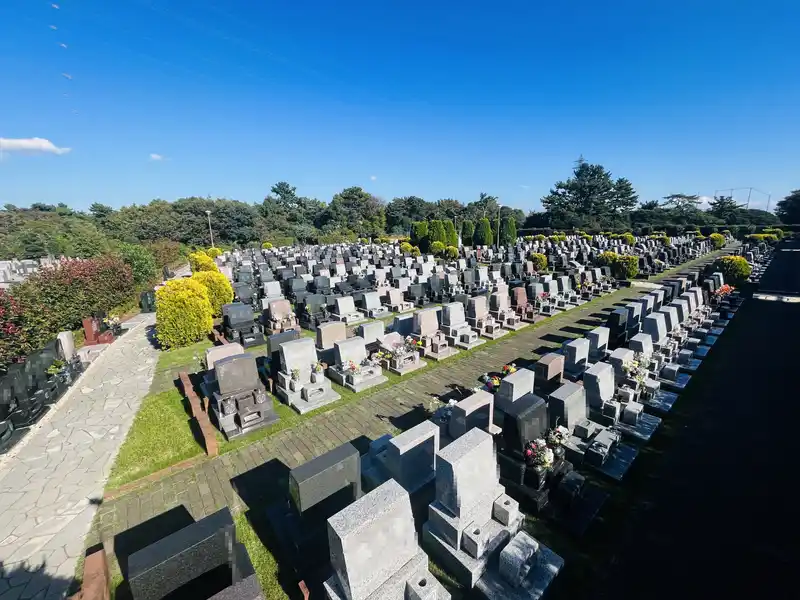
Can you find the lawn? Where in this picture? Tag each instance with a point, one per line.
(160, 435)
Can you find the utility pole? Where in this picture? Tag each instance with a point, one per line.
(211, 233)
(499, 207)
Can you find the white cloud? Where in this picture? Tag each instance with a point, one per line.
(525, 187)
(705, 201)
(34, 145)
(373, 177)
(154, 156)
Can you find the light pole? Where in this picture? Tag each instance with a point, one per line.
(211, 233)
(499, 207)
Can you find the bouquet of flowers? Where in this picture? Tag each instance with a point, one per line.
(351, 367)
(537, 454)
(556, 437)
(724, 290)
(509, 369)
(636, 370)
(492, 381)
(319, 366)
(114, 323)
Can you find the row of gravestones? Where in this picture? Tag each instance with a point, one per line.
(371, 540)
(306, 279)
(300, 375)
(29, 388)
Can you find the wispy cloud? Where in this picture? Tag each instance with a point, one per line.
(31, 145)
(525, 187)
(373, 177)
(154, 156)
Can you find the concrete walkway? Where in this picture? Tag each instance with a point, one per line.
(52, 483)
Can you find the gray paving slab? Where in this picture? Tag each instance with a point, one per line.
(53, 481)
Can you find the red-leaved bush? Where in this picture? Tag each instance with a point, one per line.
(14, 342)
(58, 297)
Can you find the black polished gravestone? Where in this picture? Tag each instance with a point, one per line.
(524, 422)
(318, 489)
(240, 326)
(201, 561)
(171, 556)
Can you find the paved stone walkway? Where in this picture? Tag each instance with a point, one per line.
(52, 483)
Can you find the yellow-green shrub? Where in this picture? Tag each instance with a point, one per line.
(415, 251)
(735, 269)
(717, 240)
(623, 266)
(437, 248)
(540, 237)
(776, 231)
(451, 252)
(218, 287)
(628, 238)
(183, 313)
(405, 247)
(762, 237)
(213, 252)
(539, 261)
(200, 261)
(267, 245)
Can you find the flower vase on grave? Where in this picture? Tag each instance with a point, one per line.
(558, 454)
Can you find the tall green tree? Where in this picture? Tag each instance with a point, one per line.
(788, 209)
(401, 212)
(419, 235)
(467, 232)
(451, 237)
(436, 232)
(725, 208)
(356, 210)
(508, 231)
(483, 235)
(590, 199)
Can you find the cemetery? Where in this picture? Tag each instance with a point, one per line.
(435, 507)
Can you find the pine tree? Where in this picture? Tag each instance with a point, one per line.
(451, 237)
(483, 233)
(436, 232)
(467, 231)
(508, 231)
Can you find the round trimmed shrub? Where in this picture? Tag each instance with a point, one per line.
(540, 237)
(437, 248)
(219, 289)
(586, 236)
(213, 252)
(539, 261)
(200, 261)
(628, 238)
(266, 246)
(415, 251)
(625, 266)
(734, 269)
(405, 247)
(717, 240)
(451, 252)
(183, 313)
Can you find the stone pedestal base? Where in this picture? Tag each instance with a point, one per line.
(464, 568)
(546, 565)
(301, 405)
(442, 354)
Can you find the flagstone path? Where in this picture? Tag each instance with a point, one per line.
(52, 483)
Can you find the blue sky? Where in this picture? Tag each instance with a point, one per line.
(437, 99)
